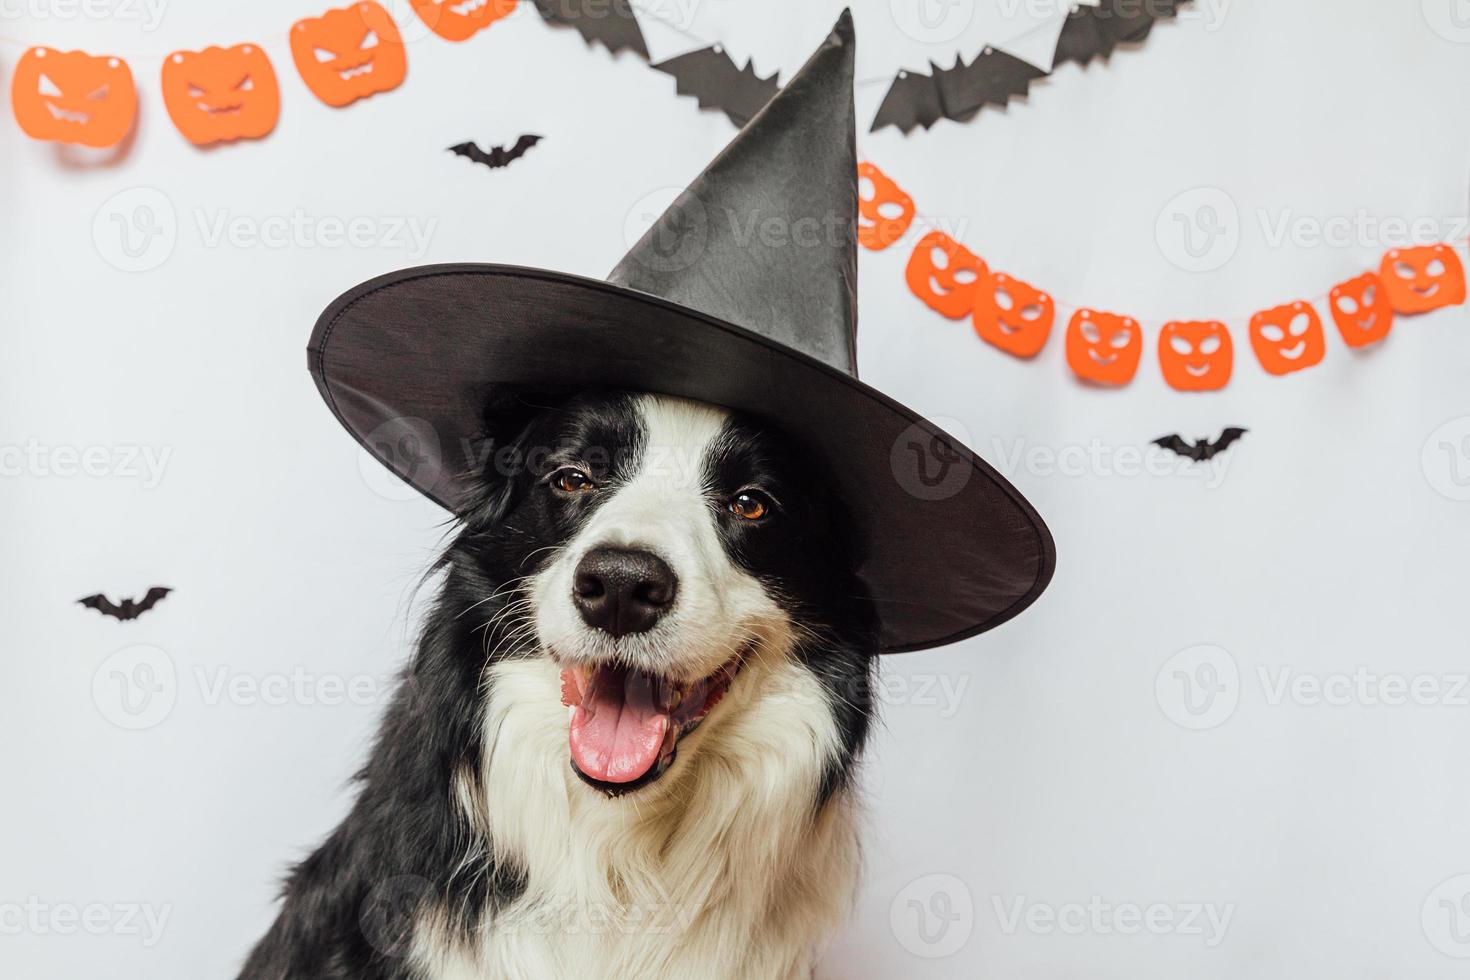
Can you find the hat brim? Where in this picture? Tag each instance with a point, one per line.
(952, 549)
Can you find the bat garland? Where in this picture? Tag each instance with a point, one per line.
(913, 99)
(1203, 450)
(994, 77)
(711, 76)
(199, 85)
(607, 22)
(126, 609)
(957, 93)
(497, 156)
(1093, 32)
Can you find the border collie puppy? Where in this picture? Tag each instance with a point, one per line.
(625, 745)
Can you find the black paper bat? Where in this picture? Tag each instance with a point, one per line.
(128, 608)
(611, 24)
(1093, 32)
(498, 156)
(710, 75)
(917, 99)
(1203, 449)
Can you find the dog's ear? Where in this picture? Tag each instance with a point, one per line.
(508, 420)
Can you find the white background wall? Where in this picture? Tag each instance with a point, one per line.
(1059, 770)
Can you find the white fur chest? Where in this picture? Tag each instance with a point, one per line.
(724, 872)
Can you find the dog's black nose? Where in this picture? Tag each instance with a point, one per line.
(622, 591)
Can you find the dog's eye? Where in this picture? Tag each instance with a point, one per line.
(572, 481)
(750, 505)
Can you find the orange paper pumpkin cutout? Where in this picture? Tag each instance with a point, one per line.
(1013, 315)
(943, 273)
(221, 93)
(1196, 355)
(878, 225)
(1287, 338)
(349, 53)
(1104, 347)
(1418, 280)
(454, 20)
(1361, 310)
(73, 97)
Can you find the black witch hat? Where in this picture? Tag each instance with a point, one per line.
(743, 294)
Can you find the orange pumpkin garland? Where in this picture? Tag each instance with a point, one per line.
(221, 93)
(878, 225)
(1361, 310)
(947, 286)
(1196, 355)
(1104, 348)
(73, 97)
(1421, 279)
(1287, 338)
(1013, 315)
(454, 20)
(349, 53)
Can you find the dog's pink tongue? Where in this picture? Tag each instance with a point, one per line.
(617, 729)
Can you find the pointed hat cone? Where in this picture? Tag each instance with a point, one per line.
(775, 256)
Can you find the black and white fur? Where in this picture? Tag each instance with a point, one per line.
(475, 851)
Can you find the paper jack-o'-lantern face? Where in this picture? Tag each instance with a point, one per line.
(349, 53)
(943, 273)
(1418, 280)
(884, 215)
(1104, 347)
(73, 97)
(457, 20)
(1360, 309)
(1012, 315)
(221, 93)
(1287, 338)
(1196, 355)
